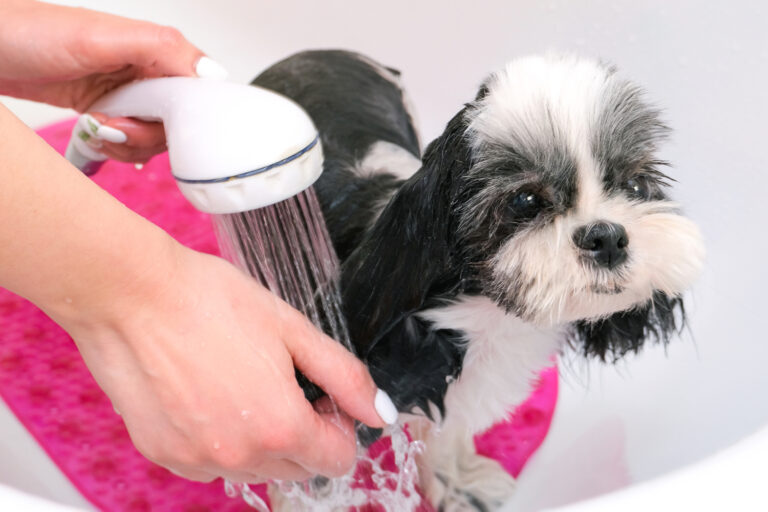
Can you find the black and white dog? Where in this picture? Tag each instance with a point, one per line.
(539, 217)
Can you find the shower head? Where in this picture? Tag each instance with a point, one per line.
(232, 147)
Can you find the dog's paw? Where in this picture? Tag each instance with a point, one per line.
(474, 483)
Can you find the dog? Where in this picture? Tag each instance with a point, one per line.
(539, 219)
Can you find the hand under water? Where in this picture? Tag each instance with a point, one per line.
(202, 371)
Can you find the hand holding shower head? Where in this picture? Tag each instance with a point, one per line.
(249, 156)
(232, 147)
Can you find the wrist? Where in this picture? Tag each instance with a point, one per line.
(114, 280)
(66, 244)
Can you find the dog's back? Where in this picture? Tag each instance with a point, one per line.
(369, 141)
(370, 150)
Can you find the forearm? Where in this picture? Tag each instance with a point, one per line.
(65, 244)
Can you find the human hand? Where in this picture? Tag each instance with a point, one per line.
(201, 367)
(70, 57)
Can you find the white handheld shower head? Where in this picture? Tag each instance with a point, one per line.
(232, 147)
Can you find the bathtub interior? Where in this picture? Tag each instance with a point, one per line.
(704, 64)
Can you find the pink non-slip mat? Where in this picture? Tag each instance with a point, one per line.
(46, 384)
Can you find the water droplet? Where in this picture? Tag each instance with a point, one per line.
(287, 248)
(216, 445)
(68, 300)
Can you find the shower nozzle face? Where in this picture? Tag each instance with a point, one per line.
(232, 147)
(259, 187)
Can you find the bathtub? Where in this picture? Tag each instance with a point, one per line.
(671, 425)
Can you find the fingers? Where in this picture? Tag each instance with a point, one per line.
(127, 139)
(194, 475)
(127, 50)
(137, 133)
(332, 367)
(331, 449)
(276, 470)
(131, 154)
(272, 470)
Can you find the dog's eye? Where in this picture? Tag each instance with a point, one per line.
(638, 188)
(525, 204)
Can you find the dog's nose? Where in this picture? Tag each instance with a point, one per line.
(605, 242)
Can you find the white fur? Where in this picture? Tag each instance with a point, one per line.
(530, 102)
(385, 157)
(537, 99)
(503, 358)
(452, 470)
(666, 253)
(569, 87)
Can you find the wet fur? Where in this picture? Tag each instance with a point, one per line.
(453, 300)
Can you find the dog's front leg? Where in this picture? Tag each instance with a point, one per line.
(455, 478)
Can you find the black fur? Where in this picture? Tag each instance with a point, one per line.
(433, 239)
(353, 106)
(628, 134)
(625, 332)
(408, 262)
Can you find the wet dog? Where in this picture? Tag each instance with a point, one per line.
(538, 219)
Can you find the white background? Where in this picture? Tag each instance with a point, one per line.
(703, 62)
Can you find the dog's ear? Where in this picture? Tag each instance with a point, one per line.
(613, 337)
(406, 255)
(482, 92)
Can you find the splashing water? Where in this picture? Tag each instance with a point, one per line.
(286, 247)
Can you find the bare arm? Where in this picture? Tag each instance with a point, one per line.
(197, 357)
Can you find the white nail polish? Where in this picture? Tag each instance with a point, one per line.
(384, 406)
(111, 134)
(209, 68)
(83, 148)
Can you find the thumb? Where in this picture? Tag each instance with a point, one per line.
(335, 369)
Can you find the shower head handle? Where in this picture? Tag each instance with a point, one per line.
(231, 147)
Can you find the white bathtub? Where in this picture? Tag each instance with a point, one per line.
(634, 428)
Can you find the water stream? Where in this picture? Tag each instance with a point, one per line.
(286, 247)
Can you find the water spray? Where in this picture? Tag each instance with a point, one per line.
(249, 157)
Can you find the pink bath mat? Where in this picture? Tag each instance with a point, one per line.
(46, 384)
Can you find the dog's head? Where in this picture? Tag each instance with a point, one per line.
(563, 206)
(551, 201)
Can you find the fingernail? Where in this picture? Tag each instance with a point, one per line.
(209, 68)
(384, 406)
(111, 134)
